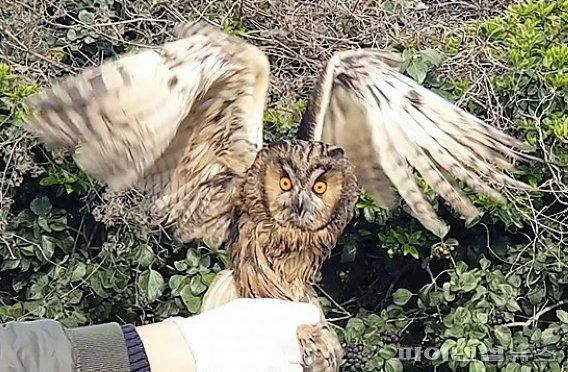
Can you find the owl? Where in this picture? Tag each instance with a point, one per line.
(183, 124)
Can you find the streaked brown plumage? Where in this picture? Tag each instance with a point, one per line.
(183, 124)
(276, 252)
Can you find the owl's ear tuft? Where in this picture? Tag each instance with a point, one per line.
(335, 152)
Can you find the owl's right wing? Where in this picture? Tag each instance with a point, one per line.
(389, 126)
(182, 123)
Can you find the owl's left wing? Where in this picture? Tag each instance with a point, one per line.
(388, 124)
(182, 123)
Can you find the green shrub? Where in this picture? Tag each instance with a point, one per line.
(512, 293)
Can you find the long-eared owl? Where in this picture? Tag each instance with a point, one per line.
(183, 123)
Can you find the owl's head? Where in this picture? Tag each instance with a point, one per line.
(305, 185)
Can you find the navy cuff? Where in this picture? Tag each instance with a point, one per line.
(136, 353)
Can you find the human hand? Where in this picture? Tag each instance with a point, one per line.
(248, 335)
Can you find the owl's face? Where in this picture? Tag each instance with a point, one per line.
(303, 185)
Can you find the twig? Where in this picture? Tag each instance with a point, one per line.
(24, 47)
(537, 316)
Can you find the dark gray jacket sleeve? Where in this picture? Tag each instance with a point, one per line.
(46, 346)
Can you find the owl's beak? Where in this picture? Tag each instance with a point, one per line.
(300, 205)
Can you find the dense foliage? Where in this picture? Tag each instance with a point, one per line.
(493, 296)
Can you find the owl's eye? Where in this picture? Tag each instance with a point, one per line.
(285, 184)
(320, 187)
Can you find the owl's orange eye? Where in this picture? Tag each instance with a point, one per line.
(285, 184)
(320, 187)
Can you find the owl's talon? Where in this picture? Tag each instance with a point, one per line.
(320, 348)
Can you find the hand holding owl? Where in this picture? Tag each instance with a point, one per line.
(248, 335)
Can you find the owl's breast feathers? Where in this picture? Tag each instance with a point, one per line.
(276, 261)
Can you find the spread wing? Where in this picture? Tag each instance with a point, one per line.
(389, 125)
(182, 123)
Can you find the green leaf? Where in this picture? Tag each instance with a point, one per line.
(393, 365)
(445, 348)
(375, 364)
(9, 264)
(369, 215)
(41, 205)
(468, 282)
(472, 221)
(461, 267)
(37, 289)
(79, 272)
(145, 256)
(535, 296)
(180, 265)
(192, 302)
(482, 318)
(424, 293)
(192, 257)
(89, 40)
(176, 284)
(512, 367)
(418, 70)
(71, 35)
(503, 335)
(480, 292)
(452, 242)
(44, 224)
(401, 296)
(431, 56)
(86, 16)
(208, 278)
(151, 284)
(66, 244)
(197, 287)
(167, 309)
(537, 335)
(447, 293)
(408, 249)
(37, 308)
(11, 312)
(513, 305)
(476, 366)
(48, 247)
(58, 224)
(499, 301)
(349, 252)
(550, 336)
(415, 237)
(562, 316)
(387, 352)
(49, 181)
(354, 329)
(205, 262)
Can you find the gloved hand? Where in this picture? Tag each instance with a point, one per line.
(247, 335)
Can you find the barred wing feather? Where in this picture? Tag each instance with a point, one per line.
(389, 125)
(182, 123)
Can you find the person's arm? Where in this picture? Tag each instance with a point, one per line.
(45, 345)
(166, 348)
(241, 336)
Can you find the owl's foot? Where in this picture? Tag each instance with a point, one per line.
(321, 350)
